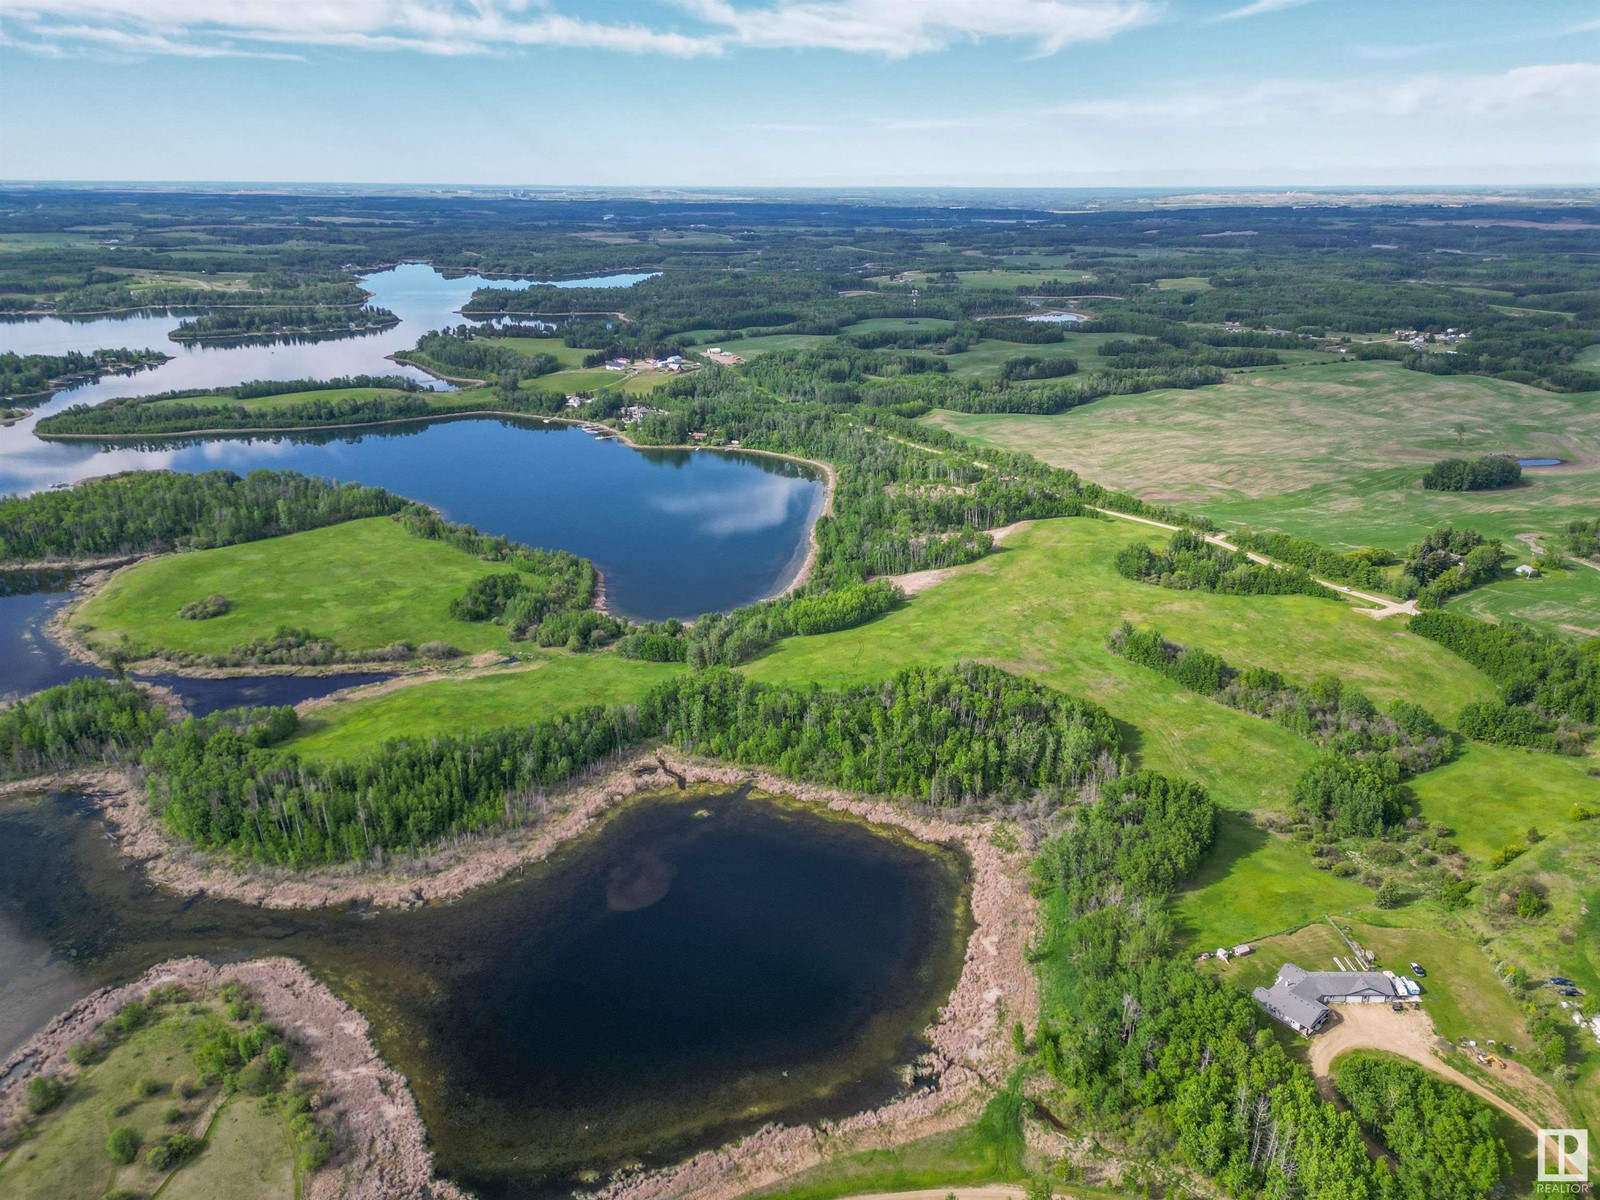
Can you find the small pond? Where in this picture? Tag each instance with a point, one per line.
(1540, 462)
(705, 963)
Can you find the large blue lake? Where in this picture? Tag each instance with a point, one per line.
(676, 533)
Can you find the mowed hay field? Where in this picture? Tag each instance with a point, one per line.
(362, 584)
(1333, 452)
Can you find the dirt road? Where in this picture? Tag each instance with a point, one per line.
(1383, 606)
(1411, 1035)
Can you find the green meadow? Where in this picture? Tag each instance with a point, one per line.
(557, 681)
(1332, 452)
(247, 1150)
(363, 584)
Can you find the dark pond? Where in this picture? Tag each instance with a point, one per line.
(1540, 462)
(703, 964)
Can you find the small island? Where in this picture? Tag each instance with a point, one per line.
(242, 323)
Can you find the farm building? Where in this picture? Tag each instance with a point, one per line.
(1300, 998)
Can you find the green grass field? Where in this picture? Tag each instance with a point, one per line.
(567, 356)
(1559, 601)
(591, 379)
(876, 323)
(1043, 604)
(986, 358)
(247, 1153)
(364, 584)
(558, 682)
(1330, 452)
(1491, 795)
(750, 347)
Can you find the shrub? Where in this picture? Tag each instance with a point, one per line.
(1390, 895)
(204, 610)
(123, 1145)
(44, 1093)
(1507, 853)
(170, 1151)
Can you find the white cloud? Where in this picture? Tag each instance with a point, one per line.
(900, 28)
(1257, 7)
(1556, 89)
(429, 26)
(893, 28)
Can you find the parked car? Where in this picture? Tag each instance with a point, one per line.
(1571, 992)
(1398, 1007)
(1416, 969)
(1561, 981)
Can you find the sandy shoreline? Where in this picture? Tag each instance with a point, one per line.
(381, 1145)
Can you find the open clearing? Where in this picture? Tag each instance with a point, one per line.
(1330, 452)
(558, 681)
(133, 1087)
(363, 584)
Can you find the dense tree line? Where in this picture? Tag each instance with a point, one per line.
(284, 290)
(1445, 1142)
(1582, 538)
(463, 351)
(78, 723)
(1473, 474)
(1543, 358)
(1140, 1036)
(727, 639)
(1448, 561)
(31, 374)
(144, 416)
(281, 322)
(951, 737)
(1357, 567)
(145, 512)
(1558, 680)
(1327, 711)
(1030, 367)
(1189, 562)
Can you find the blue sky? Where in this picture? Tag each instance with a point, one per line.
(1090, 93)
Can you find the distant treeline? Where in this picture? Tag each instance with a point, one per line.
(1189, 562)
(281, 322)
(147, 512)
(948, 737)
(30, 374)
(167, 412)
(1473, 474)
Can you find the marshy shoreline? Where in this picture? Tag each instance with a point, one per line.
(381, 1144)
(969, 1042)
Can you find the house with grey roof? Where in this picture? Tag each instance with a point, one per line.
(1300, 998)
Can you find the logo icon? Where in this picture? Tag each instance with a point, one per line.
(1563, 1156)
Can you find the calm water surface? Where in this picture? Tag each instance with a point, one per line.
(676, 533)
(703, 964)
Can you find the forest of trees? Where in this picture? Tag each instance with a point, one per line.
(32, 374)
(1473, 474)
(243, 323)
(1445, 1142)
(947, 737)
(1189, 562)
(1448, 561)
(462, 352)
(147, 512)
(1140, 1036)
(1550, 686)
(86, 721)
(1359, 568)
